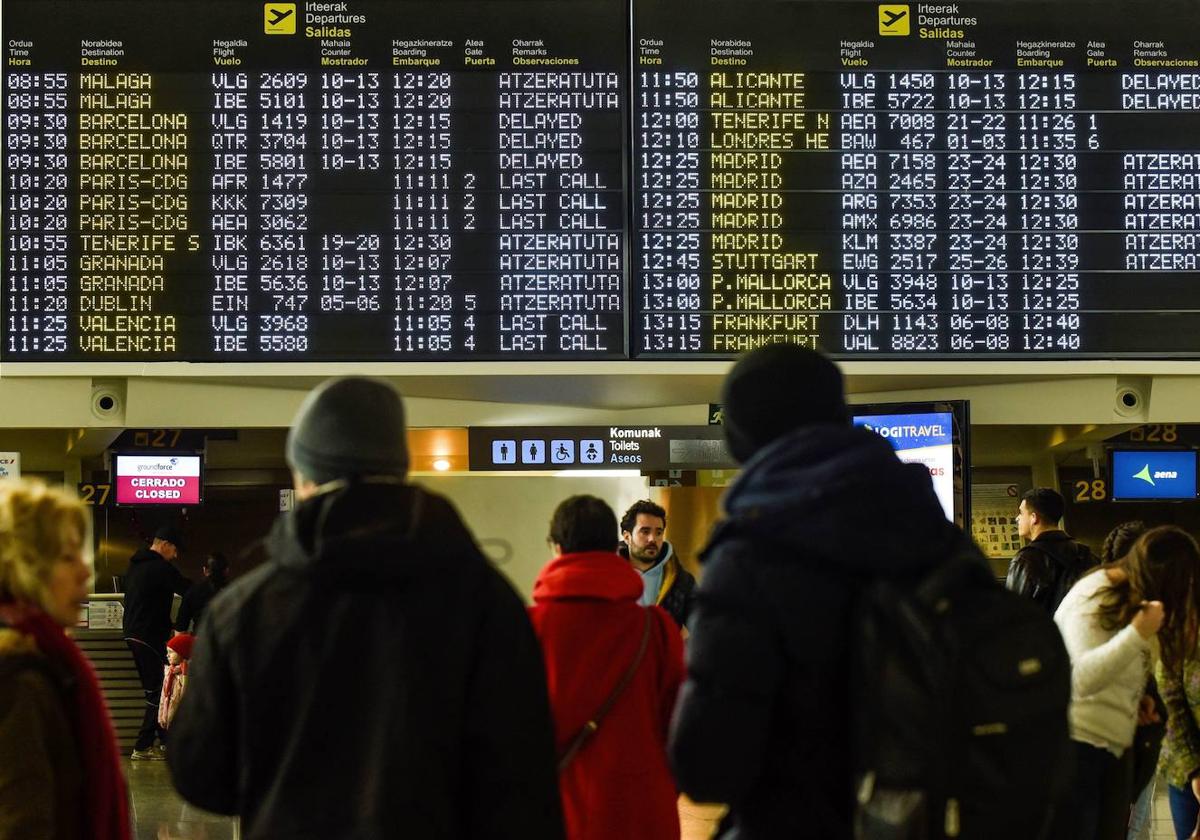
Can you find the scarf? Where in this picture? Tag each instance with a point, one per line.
(172, 692)
(105, 804)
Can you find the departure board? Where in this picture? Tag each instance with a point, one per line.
(236, 181)
(247, 181)
(956, 180)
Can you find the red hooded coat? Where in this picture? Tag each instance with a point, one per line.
(587, 617)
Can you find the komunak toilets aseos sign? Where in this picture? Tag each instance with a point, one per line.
(157, 479)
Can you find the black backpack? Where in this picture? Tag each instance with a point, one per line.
(959, 708)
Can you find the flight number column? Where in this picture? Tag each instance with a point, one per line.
(284, 261)
(428, 308)
(914, 258)
(35, 302)
(668, 208)
(1049, 141)
(230, 203)
(977, 239)
(862, 322)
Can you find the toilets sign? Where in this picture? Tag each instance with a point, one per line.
(553, 448)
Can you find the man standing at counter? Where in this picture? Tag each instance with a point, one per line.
(1046, 569)
(150, 586)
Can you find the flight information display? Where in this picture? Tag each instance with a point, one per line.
(360, 180)
(230, 181)
(917, 180)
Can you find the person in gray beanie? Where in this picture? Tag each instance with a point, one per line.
(762, 721)
(377, 677)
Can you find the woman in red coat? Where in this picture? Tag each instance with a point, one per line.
(617, 784)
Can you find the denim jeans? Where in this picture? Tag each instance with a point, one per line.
(1184, 810)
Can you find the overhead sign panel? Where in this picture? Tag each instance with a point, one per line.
(533, 448)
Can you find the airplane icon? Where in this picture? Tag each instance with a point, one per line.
(279, 18)
(893, 19)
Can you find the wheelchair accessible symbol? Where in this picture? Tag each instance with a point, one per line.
(562, 452)
(591, 451)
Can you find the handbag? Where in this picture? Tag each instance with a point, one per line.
(589, 728)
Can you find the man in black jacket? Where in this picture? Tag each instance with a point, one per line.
(763, 720)
(376, 677)
(150, 588)
(1046, 569)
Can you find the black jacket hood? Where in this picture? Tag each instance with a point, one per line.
(839, 494)
(143, 554)
(368, 530)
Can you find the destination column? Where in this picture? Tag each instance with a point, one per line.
(134, 167)
(764, 290)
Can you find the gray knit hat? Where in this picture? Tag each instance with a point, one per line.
(352, 426)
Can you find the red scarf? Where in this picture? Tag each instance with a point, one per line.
(105, 805)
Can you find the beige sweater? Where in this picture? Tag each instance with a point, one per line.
(1109, 669)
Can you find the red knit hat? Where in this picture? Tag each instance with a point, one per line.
(182, 644)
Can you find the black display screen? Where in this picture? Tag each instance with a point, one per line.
(248, 181)
(983, 180)
(232, 181)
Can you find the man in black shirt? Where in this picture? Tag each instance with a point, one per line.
(150, 586)
(1046, 568)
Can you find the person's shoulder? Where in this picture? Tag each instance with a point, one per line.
(1084, 590)
(27, 679)
(246, 587)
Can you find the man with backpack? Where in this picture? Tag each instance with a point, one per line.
(376, 677)
(843, 635)
(1046, 569)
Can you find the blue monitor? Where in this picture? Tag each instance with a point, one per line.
(1157, 474)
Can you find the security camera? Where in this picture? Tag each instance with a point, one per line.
(1129, 401)
(108, 401)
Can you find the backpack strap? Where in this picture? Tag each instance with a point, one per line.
(589, 728)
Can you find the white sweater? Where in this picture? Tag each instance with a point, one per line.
(1109, 669)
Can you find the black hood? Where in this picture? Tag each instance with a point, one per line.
(143, 554)
(369, 530)
(839, 494)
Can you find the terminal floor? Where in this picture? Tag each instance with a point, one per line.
(160, 814)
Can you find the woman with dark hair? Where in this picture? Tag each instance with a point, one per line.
(1120, 540)
(216, 575)
(1116, 621)
(60, 775)
(1142, 760)
(1179, 684)
(613, 669)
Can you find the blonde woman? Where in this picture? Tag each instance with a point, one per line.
(60, 777)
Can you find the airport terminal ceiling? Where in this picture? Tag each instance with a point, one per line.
(464, 182)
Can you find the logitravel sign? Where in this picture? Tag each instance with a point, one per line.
(531, 448)
(159, 479)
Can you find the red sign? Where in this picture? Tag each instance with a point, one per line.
(158, 479)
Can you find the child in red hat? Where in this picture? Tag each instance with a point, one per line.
(179, 651)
